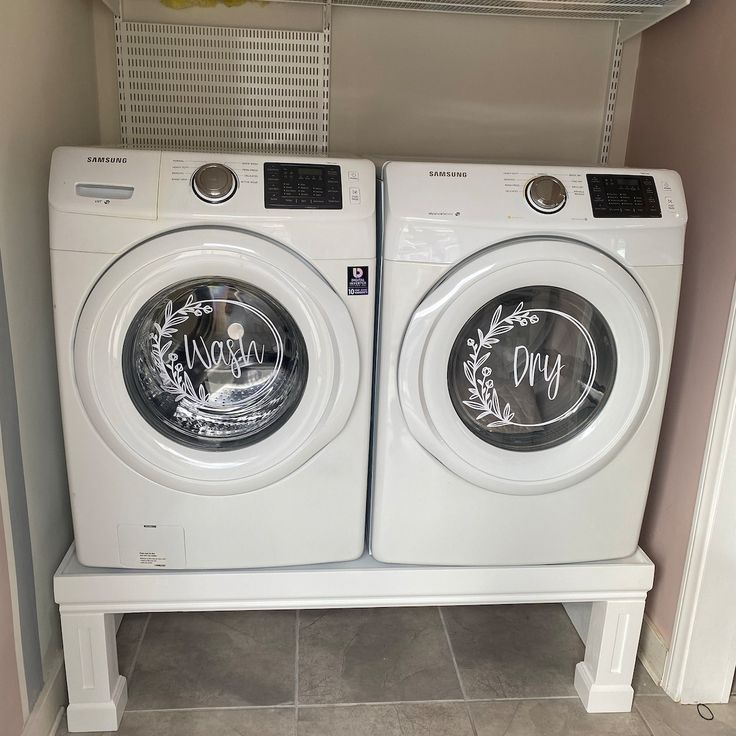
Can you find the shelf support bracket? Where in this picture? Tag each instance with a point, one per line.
(613, 77)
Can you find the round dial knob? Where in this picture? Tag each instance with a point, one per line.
(214, 183)
(546, 194)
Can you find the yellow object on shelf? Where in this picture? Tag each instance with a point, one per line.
(180, 4)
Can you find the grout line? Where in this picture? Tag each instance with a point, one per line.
(635, 709)
(283, 706)
(378, 702)
(207, 708)
(532, 697)
(457, 670)
(296, 673)
(134, 658)
(452, 653)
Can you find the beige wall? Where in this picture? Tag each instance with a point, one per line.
(462, 86)
(11, 709)
(434, 84)
(684, 117)
(48, 97)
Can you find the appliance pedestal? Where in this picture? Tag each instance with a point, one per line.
(89, 598)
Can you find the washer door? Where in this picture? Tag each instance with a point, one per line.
(215, 361)
(529, 365)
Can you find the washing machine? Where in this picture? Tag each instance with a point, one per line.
(526, 331)
(214, 321)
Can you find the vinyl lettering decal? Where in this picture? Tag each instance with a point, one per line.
(232, 352)
(527, 368)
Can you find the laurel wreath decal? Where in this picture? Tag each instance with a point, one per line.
(483, 395)
(175, 379)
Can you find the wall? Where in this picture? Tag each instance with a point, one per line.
(48, 97)
(433, 84)
(684, 117)
(11, 709)
(462, 86)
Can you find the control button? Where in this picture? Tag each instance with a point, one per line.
(353, 175)
(546, 194)
(214, 183)
(354, 195)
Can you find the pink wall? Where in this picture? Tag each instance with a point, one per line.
(684, 118)
(11, 713)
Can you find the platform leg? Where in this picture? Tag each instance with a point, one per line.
(603, 679)
(97, 692)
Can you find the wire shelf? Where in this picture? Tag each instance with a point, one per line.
(183, 87)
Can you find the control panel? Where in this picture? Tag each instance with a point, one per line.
(302, 186)
(618, 195)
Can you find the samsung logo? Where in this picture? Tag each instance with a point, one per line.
(459, 174)
(106, 160)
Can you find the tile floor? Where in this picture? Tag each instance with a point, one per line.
(466, 671)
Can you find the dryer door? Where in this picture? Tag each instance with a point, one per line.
(215, 361)
(529, 365)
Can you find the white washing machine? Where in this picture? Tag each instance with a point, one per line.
(527, 325)
(214, 320)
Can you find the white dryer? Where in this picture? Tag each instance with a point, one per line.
(214, 322)
(527, 325)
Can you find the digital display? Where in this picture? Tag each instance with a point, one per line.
(618, 196)
(300, 187)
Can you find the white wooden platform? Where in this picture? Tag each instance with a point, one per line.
(89, 598)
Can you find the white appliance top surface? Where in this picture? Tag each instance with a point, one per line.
(443, 212)
(152, 185)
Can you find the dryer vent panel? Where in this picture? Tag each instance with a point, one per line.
(188, 87)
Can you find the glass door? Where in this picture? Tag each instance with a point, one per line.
(529, 365)
(532, 368)
(215, 361)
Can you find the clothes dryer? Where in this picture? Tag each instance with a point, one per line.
(214, 322)
(527, 324)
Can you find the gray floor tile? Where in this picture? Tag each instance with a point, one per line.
(190, 660)
(642, 682)
(128, 637)
(551, 718)
(667, 718)
(521, 651)
(252, 722)
(374, 655)
(406, 719)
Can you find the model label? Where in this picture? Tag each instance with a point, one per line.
(357, 280)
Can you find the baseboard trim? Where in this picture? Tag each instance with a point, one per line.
(653, 650)
(49, 708)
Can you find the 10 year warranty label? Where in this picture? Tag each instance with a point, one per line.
(357, 280)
